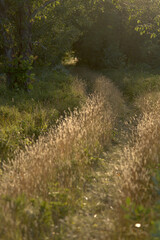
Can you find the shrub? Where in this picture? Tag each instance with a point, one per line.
(19, 73)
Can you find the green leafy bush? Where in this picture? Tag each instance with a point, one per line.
(19, 72)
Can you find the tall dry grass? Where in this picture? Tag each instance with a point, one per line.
(111, 94)
(59, 161)
(145, 153)
(63, 156)
(139, 159)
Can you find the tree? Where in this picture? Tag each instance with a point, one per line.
(20, 25)
(111, 40)
(16, 22)
(60, 27)
(145, 12)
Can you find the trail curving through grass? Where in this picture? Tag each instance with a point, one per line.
(89, 178)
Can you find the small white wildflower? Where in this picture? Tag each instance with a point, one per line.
(137, 225)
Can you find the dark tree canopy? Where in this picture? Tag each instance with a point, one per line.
(101, 33)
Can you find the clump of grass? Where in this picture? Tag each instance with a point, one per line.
(62, 156)
(140, 160)
(148, 102)
(111, 94)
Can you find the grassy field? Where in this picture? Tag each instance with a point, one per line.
(47, 181)
(91, 174)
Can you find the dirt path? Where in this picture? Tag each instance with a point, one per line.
(98, 219)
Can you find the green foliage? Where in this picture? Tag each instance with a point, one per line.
(55, 33)
(135, 81)
(156, 208)
(146, 14)
(113, 44)
(145, 217)
(33, 218)
(152, 53)
(136, 218)
(113, 57)
(49, 31)
(136, 213)
(20, 71)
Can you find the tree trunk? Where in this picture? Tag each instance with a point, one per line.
(7, 40)
(18, 40)
(24, 34)
(24, 29)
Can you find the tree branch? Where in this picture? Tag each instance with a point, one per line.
(42, 7)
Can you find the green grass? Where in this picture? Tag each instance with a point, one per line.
(26, 115)
(36, 218)
(135, 82)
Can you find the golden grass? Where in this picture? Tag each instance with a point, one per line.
(59, 161)
(106, 88)
(139, 159)
(129, 181)
(144, 154)
(63, 155)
